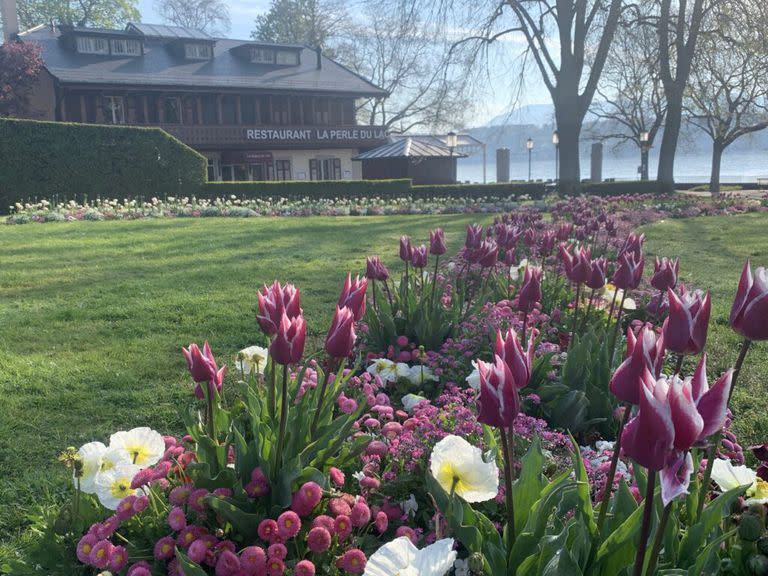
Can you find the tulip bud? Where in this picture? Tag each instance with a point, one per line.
(649, 437)
(499, 401)
(203, 368)
(510, 258)
(530, 291)
(405, 249)
(685, 329)
(687, 421)
(487, 253)
(341, 335)
(509, 349)
(375, 269)
(633, 245)
(596, 277)
(749, 313)
(474, 237)
(529, 238)
(419, 256)
(548, 242)
(647, 353)
(353, 295)
(665, 273)
(629, 271)
(437, 242)
(288, 344)
(273, 301)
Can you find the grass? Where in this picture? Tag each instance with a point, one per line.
(93, 317)
(712, 252)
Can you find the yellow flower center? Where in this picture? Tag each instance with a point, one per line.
(107, 465)
(87, 548)
(121, 488)
(166, 548)
(139, 454)
(759, 489)
(450, 479)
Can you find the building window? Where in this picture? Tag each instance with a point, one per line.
(325, 169)
(114, 110)
(229, 109)
(210, 110)
(322, 116)
(197, 51)
(262, 55)
(92, 45)
(213, 170)
(287, 58)
(281, 110)
(283, 169)
(172, 110)
(125, 47)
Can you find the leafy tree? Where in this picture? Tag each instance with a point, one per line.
(20, 65)
(97, 13)
(311, 22)
(211, 16)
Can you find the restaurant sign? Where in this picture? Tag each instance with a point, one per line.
(330, 135)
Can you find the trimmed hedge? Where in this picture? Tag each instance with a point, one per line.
(63, 160)
(627, 188)
(367, 188)
(294, 189)
(534, 190)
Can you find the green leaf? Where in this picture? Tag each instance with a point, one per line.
(527, 488)
(245, 523)
(189, 567)
(618, 549)
(583, 491)
(707, 562)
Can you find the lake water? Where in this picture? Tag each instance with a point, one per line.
(737, 167)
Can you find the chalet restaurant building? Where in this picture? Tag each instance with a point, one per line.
(257, 111)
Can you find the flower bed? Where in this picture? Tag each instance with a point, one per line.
(516, 408)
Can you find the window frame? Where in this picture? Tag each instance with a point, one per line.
(192, 51)
(113, 42)
(261, 50)
(112, 109)
(283, 169)
(179, 110)
(92, 41)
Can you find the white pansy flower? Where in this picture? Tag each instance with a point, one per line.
(459, 467)
(474, 378)
(115, 484)
(384, 368)
(401, 558)
(418, 374)
(358, 475)
(410, 401)
(91, 455)
(402, 370)
(252, 358)
(410, 506)
(145, 447)
(727, 477)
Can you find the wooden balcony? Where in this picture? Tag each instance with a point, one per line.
(277, 137)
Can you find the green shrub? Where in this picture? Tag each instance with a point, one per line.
(293, 189)
(76, 161)
(534, 190)
(622, 188)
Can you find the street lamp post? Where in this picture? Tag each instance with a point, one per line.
(529, 145)
(556, 142)
(644, 148)
(451, 140)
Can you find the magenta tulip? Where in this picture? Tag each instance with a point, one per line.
(437, 242)
(564, 231)
(676, 476)
(629, 271)
(596, 276)
(487, 254)
(406, 250)
(548, 240)
(499, 400)
(633, 245)
(203, 368)
(749, 314)
(375, 269)
(288, 345)
(341, 335)
(474, 237)
(685, 417)
(685, 329)
(353, 295)
(509, 349)
(711, 403)
(510, 258)
(649, 437)
(646, 352)
(530, 291)
(529, 238)
(273, 301)
(419, 256)
(665, 273)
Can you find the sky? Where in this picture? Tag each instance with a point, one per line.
(497, 99)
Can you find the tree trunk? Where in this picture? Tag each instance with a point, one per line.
(717, 158)
(674, 118)
(569, 131)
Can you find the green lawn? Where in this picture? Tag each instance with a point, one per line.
(712, 252)
(93, 316)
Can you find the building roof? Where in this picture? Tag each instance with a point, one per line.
(407, 147)
(162, 67)
(165, 31)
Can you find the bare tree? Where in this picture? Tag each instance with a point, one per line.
(568, 41)
(728, 94)
(316, 23)
(211, 16)
(399, 51)
(630, 93)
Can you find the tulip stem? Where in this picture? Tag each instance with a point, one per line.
(659, 539)
(283, 420)
(209, 417)
(575, 313)
(271, 394)
(508, 452)
(679, 365)
(585, 322)
(712, 452)
(373, 286)
(646, 526)
(525, 330)
(330, 366)
(434, 281)
(608, 489)
(618, 322)
(613, 306)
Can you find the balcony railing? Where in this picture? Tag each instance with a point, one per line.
(267, 137)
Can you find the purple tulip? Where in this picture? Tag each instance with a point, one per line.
(203, 368)
(634, 245)
(288, 345)
(665, 273)
(275, 300)
(529, 238)
(646, 352)
(749, 313)
(530, 291)
(509, 349)
(685, 329)
(375, 269)
(499, 400)
(437, 242)
(341, 335)
(711, 403)
(629, 271)
(548, 240)
(353, 295)
(596, 277)
(405, 249)
(474, 236)
(419, 256)
(487, 253)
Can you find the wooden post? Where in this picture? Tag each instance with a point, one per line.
(238, 110)
(199, 100)
(218, 109)
(145, 104)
